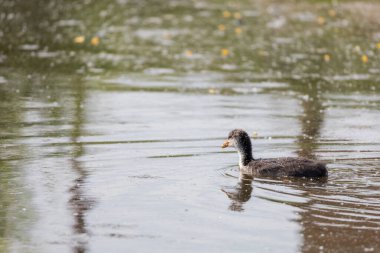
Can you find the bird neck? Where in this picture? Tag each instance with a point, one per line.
(245, 152)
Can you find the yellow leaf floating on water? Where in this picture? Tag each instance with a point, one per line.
(237, 15)
(189, 53)
(79, 39)
(221, 27)
(212, 91)
(226, 14)
(327, 57)
(332, 13)
(364, 58)
(321, 20)
(238, 30)
(378, 45)
(224, 52)
(95, 41)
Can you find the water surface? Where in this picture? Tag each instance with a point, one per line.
(115, 146)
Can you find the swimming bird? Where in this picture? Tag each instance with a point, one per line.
(275, 167)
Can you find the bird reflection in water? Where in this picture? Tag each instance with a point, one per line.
(241, 193)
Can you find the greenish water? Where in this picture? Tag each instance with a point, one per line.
(112, 114)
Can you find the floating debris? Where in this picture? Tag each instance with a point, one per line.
(224, 52)
(327, 57)
(364, 58)
(221, 27)
(237, 15)
(238, 30)
(188, 53)
(95, 41)
(212, 91)
(321, 20)
(332, 13)
(79, 39)
(226, 14)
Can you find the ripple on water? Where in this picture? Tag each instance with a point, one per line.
(342, 209)
(153, 163)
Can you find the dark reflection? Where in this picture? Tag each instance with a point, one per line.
(240, 194)
(311, 118)
(311, 121)
(79, 201)
(329, 220)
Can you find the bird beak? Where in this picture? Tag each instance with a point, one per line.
(226, 143)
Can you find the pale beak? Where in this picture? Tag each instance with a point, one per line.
(226, 143)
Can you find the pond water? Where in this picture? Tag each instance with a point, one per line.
(112, 116)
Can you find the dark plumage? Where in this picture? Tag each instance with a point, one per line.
(277, 167)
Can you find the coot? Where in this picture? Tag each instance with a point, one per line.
(276, 167)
